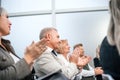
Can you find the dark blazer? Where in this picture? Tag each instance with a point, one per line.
(110, 59)
(10, 70)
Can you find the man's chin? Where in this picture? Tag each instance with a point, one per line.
(6, 34)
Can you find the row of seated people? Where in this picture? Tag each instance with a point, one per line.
(49, 62)
(56, 58)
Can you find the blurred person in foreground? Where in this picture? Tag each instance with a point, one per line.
(110, 46)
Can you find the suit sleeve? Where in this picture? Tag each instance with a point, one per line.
(46, 64)
(16, 71)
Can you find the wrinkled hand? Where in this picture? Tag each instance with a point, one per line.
(35, 50)
(74, 56)
(82, 61)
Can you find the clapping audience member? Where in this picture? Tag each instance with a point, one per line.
(13, 67)
(67, 60)
(48, 62)
(87, 73)
(97, 63)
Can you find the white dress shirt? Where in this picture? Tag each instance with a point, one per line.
(14, 57)
(87, 73)
(69, 69)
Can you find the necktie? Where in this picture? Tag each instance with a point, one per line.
(54, 52)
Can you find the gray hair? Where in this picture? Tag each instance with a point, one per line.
(2, 11)
(46, 30)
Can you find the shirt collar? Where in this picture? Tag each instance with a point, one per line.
(49, 49)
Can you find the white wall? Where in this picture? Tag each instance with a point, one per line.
(88, 28)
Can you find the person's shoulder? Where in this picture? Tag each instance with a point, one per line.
(107, 48)
(105, 43)
(104, 40)
(46, 56)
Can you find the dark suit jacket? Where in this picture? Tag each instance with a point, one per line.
(8, 69)
(110, 59)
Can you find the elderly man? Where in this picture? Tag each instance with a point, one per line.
(49, 62)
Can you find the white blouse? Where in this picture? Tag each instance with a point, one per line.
(69, 69)
(16, 59)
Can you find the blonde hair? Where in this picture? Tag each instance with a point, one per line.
(60, 48)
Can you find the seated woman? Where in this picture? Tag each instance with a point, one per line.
(13, 67)
(68, 59)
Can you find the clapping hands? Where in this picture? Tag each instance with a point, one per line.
(34, 50)
(79, 61)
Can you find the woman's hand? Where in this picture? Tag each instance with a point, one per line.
(35, 50)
